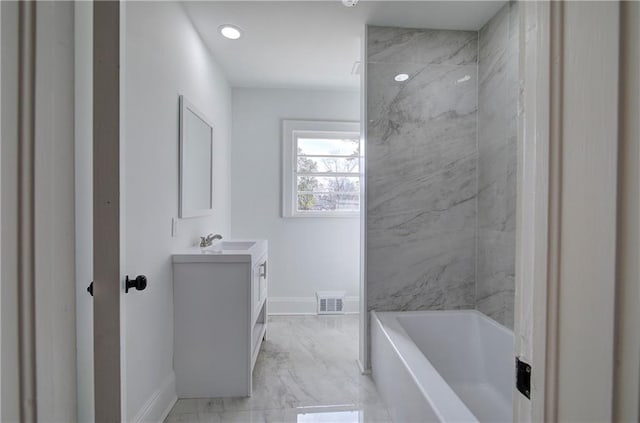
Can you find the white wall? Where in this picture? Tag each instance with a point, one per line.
(305, 254)
(165, 57)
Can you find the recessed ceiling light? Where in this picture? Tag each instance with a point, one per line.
(401, 77)
(231, 32)
(349, 3)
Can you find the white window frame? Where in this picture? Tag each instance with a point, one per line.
(291, 130)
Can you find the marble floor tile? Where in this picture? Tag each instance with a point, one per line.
(306, 372)
(338, 414)
(182, 418)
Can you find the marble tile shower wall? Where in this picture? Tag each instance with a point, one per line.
(441, 168)
(421, 169)
(497, 164)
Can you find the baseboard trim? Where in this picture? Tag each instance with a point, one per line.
(158, 406)
(362, 369)
(294, 306)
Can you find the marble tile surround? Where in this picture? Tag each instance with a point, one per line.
(421, 169)
(421, 46)
(306, 371)
(497, 163)
(441, 168)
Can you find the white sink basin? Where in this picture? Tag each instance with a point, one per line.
(236, 245)
(231, 251)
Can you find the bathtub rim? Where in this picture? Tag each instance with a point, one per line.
(474, 312)
(445, 402)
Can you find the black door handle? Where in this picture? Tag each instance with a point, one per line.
(139, 283)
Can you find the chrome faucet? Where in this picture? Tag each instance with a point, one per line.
(208, 240)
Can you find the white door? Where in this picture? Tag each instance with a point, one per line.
(107, 276)
(83, 21)
(95, 176)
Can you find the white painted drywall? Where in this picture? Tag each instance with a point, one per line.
(305, 254)
(165, 57)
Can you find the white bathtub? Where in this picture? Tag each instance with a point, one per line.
(443, 366)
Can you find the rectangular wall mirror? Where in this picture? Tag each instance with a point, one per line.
(196, 162)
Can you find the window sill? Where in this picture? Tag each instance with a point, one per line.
(320, 215)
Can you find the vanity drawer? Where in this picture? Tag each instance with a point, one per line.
(259, 288)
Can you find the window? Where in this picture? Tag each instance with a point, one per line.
(321, 169)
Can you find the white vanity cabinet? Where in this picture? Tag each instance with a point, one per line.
(259, 304)
(220, 318)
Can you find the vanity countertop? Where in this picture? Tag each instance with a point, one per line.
(225, 251)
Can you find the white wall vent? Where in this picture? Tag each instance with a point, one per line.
(330, 302)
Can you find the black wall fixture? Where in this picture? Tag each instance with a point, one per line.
(523, 377)
(139, 283)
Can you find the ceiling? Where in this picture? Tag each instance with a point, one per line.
(314, 44)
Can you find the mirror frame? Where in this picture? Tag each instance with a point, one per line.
(184, 212)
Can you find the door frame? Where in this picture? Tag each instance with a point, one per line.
(38, 274)
(577, 232)
(26, 279)
(38, 336)
(533, 195)
(626, 380)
